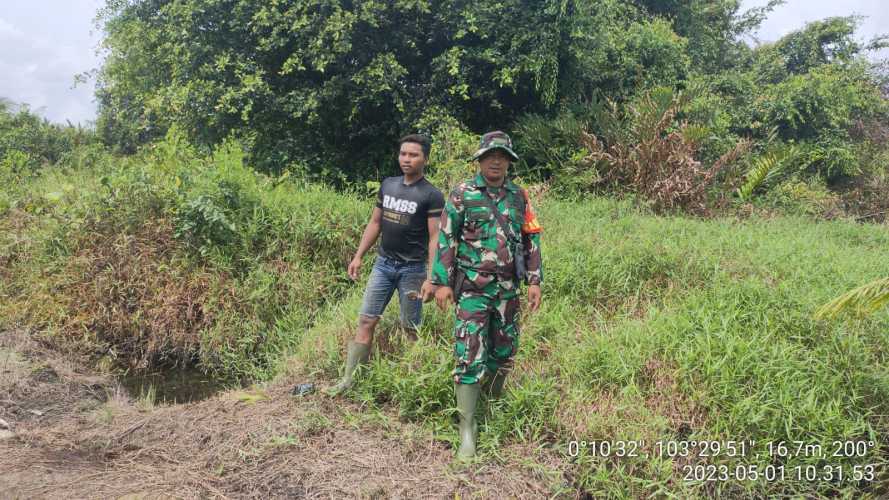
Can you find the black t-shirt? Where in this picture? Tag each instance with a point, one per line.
(406, 208)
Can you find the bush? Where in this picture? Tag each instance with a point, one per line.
(768, 168)
(804, 197)
(31, 142)
(171, 258)
(547, 145)
(453, 145)
(821, 106)
(646, 151)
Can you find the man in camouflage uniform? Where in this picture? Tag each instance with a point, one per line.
(476, 262)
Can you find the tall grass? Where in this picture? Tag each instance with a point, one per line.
(652, 328)
(658, 328)
(174, 258)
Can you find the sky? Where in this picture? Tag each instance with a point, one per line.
(794, 14)
(44, 44)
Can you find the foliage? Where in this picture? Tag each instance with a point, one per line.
(649, 153)
(819, 43)
(549, 145)
(821, 105)
(323, 89)
(173, 258)
(766, 168)
(28, 142)
(205, 224)
(863, 300)
(804, 196)
(713, 28)
(334, 84)
(811, 91)
(452, 149)
(710, 109)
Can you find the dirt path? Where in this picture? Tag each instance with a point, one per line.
(79, 435)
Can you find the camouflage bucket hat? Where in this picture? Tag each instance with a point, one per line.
(495, 140)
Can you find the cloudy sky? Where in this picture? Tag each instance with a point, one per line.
(45, 43)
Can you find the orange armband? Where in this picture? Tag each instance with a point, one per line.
(531, 225)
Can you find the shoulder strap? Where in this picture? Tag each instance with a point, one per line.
(507, 229)
(518, 200)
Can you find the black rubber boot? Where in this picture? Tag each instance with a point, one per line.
(357, 354)
(467, 397)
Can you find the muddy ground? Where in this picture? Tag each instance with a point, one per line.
(76, 434)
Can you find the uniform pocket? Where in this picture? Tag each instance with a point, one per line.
(476, 214)
(478, 223)
(476, 281)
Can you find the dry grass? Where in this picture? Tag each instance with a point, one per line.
(12, 239)
(665, 398)
(37, 386)
(264, 443)
(660, 159)
(125, 289)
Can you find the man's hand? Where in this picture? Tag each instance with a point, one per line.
(534, 297)
(427, 291)
(443, 296)
(354, 268)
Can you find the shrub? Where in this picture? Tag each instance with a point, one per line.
(174, 258)
(804, 197)
(767, 168)
(33, 141)
(819, 106)
(452, 149)
(547, 145)
(649, 153)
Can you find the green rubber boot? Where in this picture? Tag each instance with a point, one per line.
(467, 397)
(357, 354)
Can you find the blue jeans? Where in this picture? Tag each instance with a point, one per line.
(387, 275)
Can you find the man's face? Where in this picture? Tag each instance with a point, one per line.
(494, 165)
(411, 158)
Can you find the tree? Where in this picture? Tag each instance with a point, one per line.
(333, 83)
(28, 141)
(713, 27)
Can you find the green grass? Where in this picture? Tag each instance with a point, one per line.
(170, 258)
(672, 329)
(652, 328)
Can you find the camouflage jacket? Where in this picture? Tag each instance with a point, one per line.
(471, 239)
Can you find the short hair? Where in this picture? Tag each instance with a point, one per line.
(422, 140)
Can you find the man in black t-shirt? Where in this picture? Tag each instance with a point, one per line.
(407, 215)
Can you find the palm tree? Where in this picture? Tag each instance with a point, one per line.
(862, 300)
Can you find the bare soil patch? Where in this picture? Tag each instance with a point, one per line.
(93, 440)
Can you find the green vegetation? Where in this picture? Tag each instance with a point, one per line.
(701, 199)
(168, 258)
(28, 142)
(863, 300)
(325, 88)
(334, 84)
(669, 329)
(653, 328)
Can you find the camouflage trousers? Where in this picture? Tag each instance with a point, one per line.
(486, 331)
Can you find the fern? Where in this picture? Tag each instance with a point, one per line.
(862, 300)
